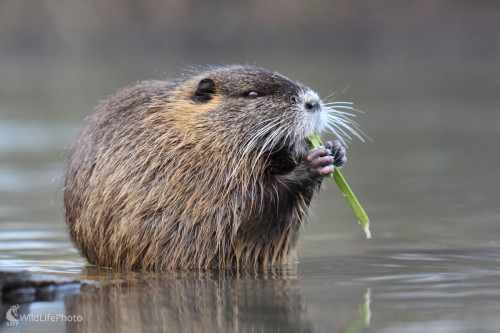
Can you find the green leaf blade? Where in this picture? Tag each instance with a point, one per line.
(315, 141)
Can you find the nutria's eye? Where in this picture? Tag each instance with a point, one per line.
(294, 99)
(253, 94)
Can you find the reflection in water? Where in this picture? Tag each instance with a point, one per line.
(269, 300)
(364, 317)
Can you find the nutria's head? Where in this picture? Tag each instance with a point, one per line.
(208, 170)
(268, 97)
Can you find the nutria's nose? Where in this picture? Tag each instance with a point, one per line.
(312, 104)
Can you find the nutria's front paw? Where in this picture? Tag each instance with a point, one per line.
(320, 161)
(337, 152)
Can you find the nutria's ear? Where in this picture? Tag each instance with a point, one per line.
(205, 91)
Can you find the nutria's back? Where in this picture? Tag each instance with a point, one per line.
(211, 170)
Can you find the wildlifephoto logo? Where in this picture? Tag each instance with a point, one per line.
(12, 314)
(14, 317)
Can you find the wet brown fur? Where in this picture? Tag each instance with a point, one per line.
(159, 180)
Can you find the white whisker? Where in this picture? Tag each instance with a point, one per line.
(252, 143)
(336, 112)
(342, 118)
(342, 135)
(339, 103)
(347, 108)
(340, 122)
(342, 105)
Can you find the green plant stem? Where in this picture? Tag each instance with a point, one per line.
(315, 141)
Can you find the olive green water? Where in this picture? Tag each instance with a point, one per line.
(427, 76)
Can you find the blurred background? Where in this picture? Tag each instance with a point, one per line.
(425, 73)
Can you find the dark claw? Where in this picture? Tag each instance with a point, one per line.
(338, 152)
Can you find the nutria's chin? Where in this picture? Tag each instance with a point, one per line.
(208, 171)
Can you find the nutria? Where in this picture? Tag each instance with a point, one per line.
(211, 170)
